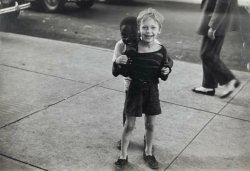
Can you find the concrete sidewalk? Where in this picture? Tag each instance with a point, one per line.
(60, 110)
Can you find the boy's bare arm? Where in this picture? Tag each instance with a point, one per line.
(117, 51)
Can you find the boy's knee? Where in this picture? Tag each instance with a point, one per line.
(149, 127)
(129, 127)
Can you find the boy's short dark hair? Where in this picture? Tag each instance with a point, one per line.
(130, 20)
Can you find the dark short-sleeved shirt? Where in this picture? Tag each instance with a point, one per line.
(147, 66)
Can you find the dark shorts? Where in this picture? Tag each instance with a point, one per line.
(142, 98)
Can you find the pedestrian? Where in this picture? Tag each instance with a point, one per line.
(218, 18)
(147, 66)
(125, 48)
(124, 51)
(245, 35)
(123, 54)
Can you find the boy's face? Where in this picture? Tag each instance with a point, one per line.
(149, 29)
(129, 34)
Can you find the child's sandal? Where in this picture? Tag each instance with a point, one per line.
(121, 162)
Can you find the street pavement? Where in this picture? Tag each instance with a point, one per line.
(61, 110)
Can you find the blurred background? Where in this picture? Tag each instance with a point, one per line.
(96, 23)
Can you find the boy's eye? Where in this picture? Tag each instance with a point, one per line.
(129, 36)
(124, 37)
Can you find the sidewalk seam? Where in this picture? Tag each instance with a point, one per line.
(45, 74)
(53, 104)
(26, 116)
(45, 107)
(22, 162)
(180, 105)
(111, 89)
(231, 117)
(215, 114)
(190, 142)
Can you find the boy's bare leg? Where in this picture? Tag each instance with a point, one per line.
(123, 123)
(148, 156)
(123, 118)
(149, 127)
(127, 131)
(119, 143)
(123, 112)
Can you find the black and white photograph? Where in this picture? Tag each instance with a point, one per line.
(124, 85)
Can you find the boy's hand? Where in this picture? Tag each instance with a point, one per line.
(123, 59)
(165, 70)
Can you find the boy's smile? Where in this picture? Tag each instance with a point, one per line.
(149, 30)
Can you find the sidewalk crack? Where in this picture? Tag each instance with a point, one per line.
(9, 157)
(210, 120)
(13, 122)
(36, 72)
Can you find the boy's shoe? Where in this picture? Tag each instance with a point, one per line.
(151, 161)
(119, 145)
(121, 163)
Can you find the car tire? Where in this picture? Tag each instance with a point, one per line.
(52, 5)
(85, 4)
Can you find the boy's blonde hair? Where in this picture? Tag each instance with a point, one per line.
(150, 13)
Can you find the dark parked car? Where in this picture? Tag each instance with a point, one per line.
(13, 7)
(58, 5)
(9, 11)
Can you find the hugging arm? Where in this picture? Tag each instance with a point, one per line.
(166, 64)
(117, 52)
(115, 69)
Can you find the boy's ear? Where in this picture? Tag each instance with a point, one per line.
(159, 30)
(139, 34)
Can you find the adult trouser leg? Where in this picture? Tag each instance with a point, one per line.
(214, 70)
